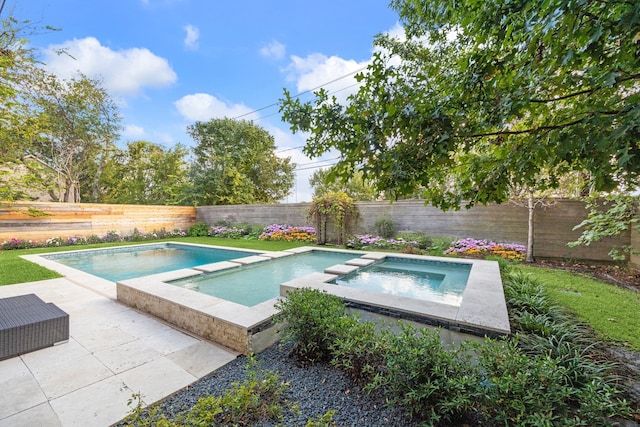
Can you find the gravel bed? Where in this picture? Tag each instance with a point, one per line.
(316, 389)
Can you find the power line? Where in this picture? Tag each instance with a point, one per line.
(315, 167)
(319, 161)
(289, 149)
(308, 91)
(316, 164)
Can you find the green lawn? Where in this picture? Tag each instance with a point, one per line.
(611, 311)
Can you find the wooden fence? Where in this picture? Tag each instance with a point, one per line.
(42, 220)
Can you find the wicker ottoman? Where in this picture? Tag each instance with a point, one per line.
(27, 323)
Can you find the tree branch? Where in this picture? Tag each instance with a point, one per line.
(520, 132)
(584, 92)
(541, 128)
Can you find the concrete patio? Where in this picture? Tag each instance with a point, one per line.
(113, 352)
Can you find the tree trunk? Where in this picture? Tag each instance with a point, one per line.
(531, 207)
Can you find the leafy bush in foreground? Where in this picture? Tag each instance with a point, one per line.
(259, 398)
(540, 376)
(312, 320)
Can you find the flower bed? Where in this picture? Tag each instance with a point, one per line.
(368, 241)
(111, 236)
(482, 248)
(288, 233)
(228, 232)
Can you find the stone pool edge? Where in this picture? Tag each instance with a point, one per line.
(483, 310)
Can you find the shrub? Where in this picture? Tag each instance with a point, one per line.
(251, 231)
(111, 236)
(384, 227)
(199, 229)
(421, 239)
(360, 351)
(312, 320)
(546, 374)
(222, 223)
(432, 382)
(258, 398)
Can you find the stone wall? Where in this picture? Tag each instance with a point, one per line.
(42, 220)
(507, 222)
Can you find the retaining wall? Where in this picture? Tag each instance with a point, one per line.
(507, 222)
(86, 219)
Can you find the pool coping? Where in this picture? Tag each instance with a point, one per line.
(482, 311)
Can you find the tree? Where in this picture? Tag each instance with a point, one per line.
(145, 173)
(483, 95)
(322, 183)
(80, 124)
(235, 163)
(19, 72)
(609, 216)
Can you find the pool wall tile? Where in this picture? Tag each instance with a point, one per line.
(191, 319)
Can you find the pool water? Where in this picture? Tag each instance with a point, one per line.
(434, 281)
(122, 263)
(256, 283)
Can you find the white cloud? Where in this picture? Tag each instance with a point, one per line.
(318, 70)
(275, 50)
(133, 132)
(203, 107)
(191, 39)
(124, 72)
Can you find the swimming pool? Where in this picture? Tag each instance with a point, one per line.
(126, 262)
(259, 282)
(481, 310)
(436, 281)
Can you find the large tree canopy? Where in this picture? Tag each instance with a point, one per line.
(19, 74)
(80, 123)
(145, 173)
(356, 188)
(484, 95)
(235, 163)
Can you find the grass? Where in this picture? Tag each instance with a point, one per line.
(611, 311)
(17, 270)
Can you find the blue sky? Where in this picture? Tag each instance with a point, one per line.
(169, 63)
